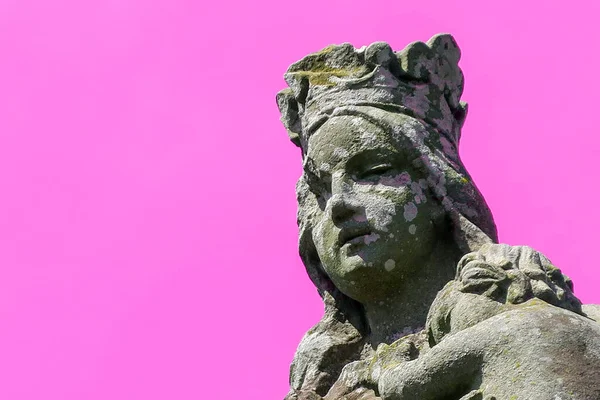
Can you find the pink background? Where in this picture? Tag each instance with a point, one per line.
(148, 238)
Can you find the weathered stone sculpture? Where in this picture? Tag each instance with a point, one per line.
(420, 300)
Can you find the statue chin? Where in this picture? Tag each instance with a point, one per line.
(359, 280)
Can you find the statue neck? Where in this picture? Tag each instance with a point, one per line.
(397, 314)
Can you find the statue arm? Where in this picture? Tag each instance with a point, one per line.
(469, 320)
(535, 351)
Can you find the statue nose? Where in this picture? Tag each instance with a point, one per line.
(343, 203)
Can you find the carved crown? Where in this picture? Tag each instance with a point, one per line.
(423, 80)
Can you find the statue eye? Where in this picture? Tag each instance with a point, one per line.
(376, 171)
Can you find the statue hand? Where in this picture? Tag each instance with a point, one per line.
(359, 379)
(355, 383)
(440, 372)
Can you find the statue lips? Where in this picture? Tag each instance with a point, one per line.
(353, 234)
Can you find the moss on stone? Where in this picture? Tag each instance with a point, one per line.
(320, 74)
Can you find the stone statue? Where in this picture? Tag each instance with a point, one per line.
(420, 300)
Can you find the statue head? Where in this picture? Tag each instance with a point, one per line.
(382, 180)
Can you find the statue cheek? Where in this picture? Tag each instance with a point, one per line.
(385, 207)
(324, 237)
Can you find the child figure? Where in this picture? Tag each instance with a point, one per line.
(493, 280)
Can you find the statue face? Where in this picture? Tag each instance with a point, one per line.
(374, 223)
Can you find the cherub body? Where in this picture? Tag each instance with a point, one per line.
(493, 280)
